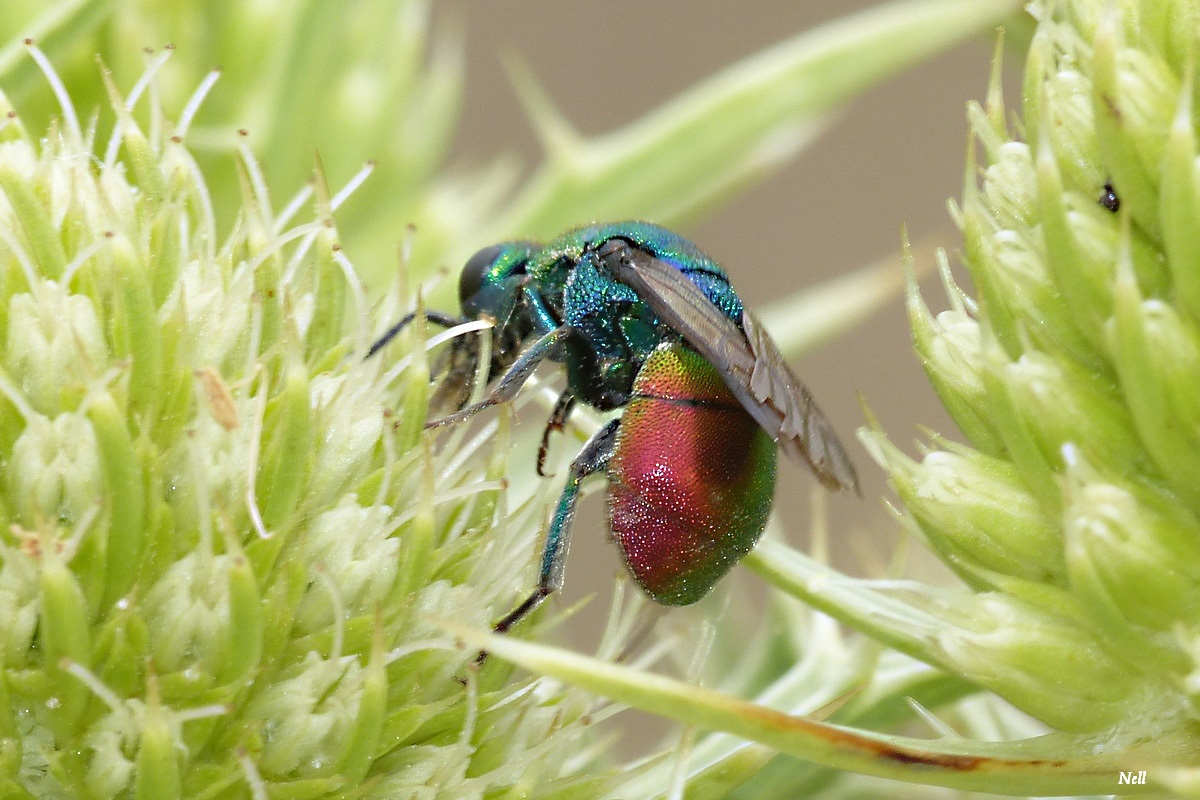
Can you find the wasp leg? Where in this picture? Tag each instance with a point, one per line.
(593, 458)
(557, 421)
(512, 381)
(436, 317)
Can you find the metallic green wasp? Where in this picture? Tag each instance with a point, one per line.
(645, 322)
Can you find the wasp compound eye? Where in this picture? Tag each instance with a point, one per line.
(476, 269)
(485, 279)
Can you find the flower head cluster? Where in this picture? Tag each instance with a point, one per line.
(1076, 512)
(220, 540)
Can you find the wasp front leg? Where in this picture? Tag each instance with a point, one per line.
(551, 344)
(548, 346)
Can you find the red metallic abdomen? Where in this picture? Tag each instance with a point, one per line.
(691, 479)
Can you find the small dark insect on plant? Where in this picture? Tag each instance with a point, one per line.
(1109, 199)
(645, 322)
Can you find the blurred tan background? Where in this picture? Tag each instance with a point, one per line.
(893, 160)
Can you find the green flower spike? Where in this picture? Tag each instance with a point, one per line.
(218, 540)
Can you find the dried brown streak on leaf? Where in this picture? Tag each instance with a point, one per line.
(906, 755)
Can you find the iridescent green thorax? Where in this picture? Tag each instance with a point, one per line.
(691, 479)
(551, 266)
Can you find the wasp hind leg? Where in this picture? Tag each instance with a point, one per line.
(593, 458)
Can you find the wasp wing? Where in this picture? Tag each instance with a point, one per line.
(802, 425)
(747, 358)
